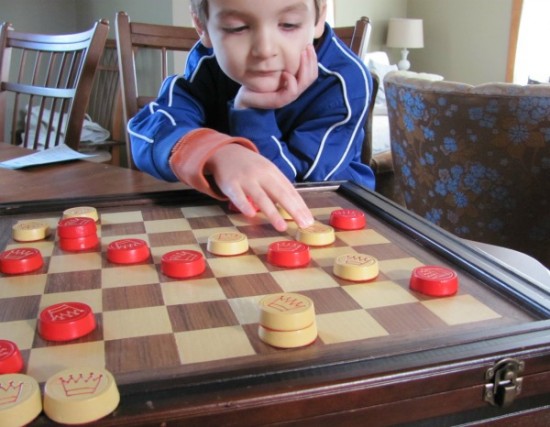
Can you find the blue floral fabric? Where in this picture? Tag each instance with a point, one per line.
(474, 160)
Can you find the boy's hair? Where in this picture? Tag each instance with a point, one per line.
(200, 8)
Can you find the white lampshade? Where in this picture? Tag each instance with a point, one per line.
(407, 33)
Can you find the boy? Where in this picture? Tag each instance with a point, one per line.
(259, 107)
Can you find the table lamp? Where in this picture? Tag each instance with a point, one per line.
(405, 33)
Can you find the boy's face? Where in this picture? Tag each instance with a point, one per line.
(255, 41)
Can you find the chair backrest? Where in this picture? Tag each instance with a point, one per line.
(357, 39)
(47, 79)
(133, 38)
(105, 106)
(474, 159)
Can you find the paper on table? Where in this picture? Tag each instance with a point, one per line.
(59, 153)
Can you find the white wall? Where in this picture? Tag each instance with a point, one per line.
(465, 40)
(52, 16)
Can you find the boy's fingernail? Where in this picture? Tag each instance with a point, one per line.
(306, 222)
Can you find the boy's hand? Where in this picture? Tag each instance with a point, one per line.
(241, 173)
(290, 87)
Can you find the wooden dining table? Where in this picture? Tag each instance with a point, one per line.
(72, 179)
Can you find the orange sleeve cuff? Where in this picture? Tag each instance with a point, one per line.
(193, 150)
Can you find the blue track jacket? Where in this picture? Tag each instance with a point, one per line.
(316, 138)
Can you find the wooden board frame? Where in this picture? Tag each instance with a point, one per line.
(406, 387)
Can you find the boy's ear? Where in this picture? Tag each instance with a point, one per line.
(201, 31)
(320, 25)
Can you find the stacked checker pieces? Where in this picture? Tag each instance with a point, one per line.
(72, 396)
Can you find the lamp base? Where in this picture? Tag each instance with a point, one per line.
(404, 64)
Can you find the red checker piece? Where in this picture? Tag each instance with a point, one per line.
(288, 253)
(182, 264)
(71, 228)
(348, 219)
(79, 243)
(11, 361)
(127, 251)
(20, 260)
(434, 281)
(66, 321)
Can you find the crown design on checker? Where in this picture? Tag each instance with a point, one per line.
(435, 273)
(359, 260)
(289, 246)
(64, 312)
(81, 384)
(286, 303)
(10, 392)
(317, 227)
(4, 351)
(19, 253)
(185, 256)
(229, 237)
(127, 243)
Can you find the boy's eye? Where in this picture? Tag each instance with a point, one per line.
(235, 30)
(289, 26)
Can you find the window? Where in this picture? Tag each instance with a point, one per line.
(532, 58)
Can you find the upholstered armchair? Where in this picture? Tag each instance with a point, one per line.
(474, 159)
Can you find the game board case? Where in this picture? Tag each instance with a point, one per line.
(187, 352)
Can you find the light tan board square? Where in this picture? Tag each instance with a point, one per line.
(213, 344)
(136, 323)
(167, 225)
(399, 269)
(202, 211)
(121, 217)
(323, 214)
(47, 361)
(191, 291)
(75, 262)
(21, 286)
(302, 279)
(460, 309)
(241, 220)
(246, 309)
(379, 294)
(236, 265)
(348, 326)
(131, 275)
(325, 256)
(361, 237)
(21, 332)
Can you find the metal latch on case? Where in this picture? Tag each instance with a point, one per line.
(504, 382)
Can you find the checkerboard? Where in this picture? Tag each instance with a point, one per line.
(150, 326)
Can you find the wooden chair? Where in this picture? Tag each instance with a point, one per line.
(357, 38)
(49, 77)
(105, 106)
(150, 41)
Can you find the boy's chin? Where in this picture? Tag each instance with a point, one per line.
(263, 85)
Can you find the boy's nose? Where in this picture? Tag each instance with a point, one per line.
(263, 44)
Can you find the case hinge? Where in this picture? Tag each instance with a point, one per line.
(504, 382)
